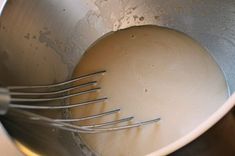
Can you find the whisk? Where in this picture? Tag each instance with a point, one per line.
(23, 98)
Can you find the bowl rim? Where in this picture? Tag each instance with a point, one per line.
(203, 127)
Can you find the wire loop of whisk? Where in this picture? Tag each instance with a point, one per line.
(20, 99)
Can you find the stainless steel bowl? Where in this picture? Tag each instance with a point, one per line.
(42, 41)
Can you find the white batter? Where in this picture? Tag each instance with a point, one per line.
(151, 72)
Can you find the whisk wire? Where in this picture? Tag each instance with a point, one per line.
(24, 98)
(58, 84)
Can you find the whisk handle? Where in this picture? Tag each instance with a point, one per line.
(4, 100)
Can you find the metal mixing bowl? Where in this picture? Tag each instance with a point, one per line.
(41, 42)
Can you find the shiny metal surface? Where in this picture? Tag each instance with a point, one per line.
(42, 41)
(2, 5)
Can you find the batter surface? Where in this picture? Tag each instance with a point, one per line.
(151, 72)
